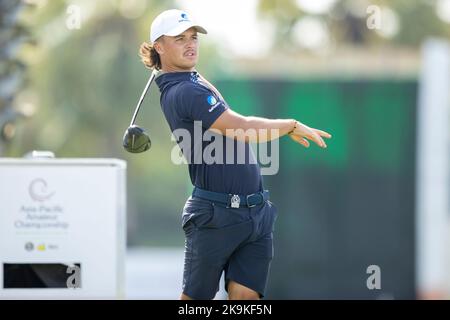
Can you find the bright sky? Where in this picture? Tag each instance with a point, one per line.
(236, 30)
(234, 26)
(443, 10)
(315, 6)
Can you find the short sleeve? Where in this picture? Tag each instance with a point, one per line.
(197, 103)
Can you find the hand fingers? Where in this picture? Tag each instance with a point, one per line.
(317, 139)
(312, 136)
(323, 133)
(304, 142)
(300, 140)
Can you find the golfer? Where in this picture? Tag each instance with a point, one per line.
(228, 221)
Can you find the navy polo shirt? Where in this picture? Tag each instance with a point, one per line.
(191, 105)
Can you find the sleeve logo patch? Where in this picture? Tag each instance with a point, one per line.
(211, 100)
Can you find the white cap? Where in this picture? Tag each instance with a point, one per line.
(172, 23)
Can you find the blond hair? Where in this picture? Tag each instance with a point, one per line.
(149, 56)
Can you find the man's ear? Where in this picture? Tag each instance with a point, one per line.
(158, 47)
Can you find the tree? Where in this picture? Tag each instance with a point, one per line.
(12, 70)
(403, 22)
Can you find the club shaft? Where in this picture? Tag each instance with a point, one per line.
(147, 86)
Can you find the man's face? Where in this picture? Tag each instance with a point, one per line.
(179, 52)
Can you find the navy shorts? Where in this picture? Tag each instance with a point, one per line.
(237, 241)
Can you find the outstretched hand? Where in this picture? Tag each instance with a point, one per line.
(303, 132)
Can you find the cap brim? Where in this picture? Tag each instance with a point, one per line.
(183, 27)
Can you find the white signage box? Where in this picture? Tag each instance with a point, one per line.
(62, 228)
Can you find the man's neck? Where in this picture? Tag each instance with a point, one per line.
(166, 69)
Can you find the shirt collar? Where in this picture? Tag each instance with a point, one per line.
(179, 76)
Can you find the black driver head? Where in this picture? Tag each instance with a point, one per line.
(136, 140)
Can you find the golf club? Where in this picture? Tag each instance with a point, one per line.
(135, 139)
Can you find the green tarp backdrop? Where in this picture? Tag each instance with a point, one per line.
(347, 207)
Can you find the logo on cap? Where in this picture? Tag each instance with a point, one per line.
(184, 17)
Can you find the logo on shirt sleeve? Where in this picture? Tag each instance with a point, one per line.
(211, 100)
(213, 103)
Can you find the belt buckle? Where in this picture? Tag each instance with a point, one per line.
(235, 201)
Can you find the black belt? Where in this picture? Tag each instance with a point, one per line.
(232, 200)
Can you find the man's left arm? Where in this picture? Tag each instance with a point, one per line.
(257, 129)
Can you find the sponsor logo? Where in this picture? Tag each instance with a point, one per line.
(38, 190)
(211, 100)
(184, 17)
(29, 246)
